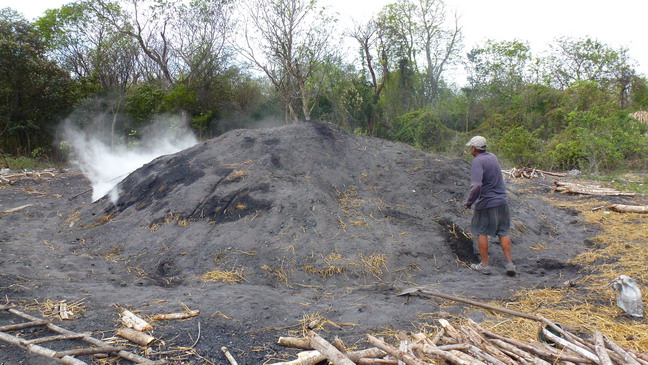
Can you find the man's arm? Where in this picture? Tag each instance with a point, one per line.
(476, 174)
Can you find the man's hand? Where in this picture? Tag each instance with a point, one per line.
(467, 205)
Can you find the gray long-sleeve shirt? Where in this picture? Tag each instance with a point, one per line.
(487, 188)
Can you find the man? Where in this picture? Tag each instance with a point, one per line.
(488, 193)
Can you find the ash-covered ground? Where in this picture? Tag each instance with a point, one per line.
(314, 222)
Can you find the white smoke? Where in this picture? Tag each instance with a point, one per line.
(106, 164)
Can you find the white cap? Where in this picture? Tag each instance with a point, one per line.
(478, 142)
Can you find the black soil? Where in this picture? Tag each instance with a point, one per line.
(317, 221)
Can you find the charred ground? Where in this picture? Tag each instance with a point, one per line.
(315, 221)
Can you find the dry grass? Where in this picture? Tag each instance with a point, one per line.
(103, 220)
(73, 218)
(244, 163)
(335, 264)
(375, 264)
(352, 207)
(51, 308)
(621, 249)
(233, 276)
(318, 323)
(237, 175)
(168, 219)
(282, 274)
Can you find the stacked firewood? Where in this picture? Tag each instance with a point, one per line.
(468, 344)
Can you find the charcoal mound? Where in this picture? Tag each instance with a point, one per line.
(304, 204)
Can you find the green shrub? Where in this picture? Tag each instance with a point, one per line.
(422, 129)
(592, 143)
(520, 147)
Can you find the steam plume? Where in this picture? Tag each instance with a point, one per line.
(105, 163)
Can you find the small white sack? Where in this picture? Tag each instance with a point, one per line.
(628, 295)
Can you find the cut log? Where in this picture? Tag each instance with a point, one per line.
(446, 355)
(451, 331)
(131, 320)
(543, 351)
(377, 362)
(402, 347)
(437, 337)
(621, 208)
(332, 354)
(601, 351)
(407, 358)
(479, 354)
(370, 353)
(519, 352)
(479, 341)
(571, 346)
(294, 342)
(305, 358)
(627, 358)
(180, 315)
(467, 358)
(134, 336)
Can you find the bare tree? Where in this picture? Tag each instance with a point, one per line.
(370, 38)
(181, 40)
(420, 34)
(440, 45)
(288, 40)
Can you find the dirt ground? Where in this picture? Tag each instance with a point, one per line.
(305, 222)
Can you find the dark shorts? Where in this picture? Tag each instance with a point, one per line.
(495, 221)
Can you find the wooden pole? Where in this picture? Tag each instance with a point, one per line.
(471, 302)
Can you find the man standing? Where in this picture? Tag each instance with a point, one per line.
(488, 193)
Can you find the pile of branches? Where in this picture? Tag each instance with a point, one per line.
(7, 177)
(587, 189)
(529, 173)
(469, 344)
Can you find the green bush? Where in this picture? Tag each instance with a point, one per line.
(422, 129)
(592, 143)
(520, 147)
(143, 102)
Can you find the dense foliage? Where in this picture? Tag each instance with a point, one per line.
(224, 64)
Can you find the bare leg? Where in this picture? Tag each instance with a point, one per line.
(482, 241)
(505, 242)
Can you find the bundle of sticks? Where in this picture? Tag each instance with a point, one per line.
(468, 344)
